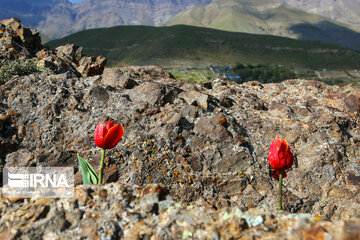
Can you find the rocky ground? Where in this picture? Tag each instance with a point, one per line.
(193, 160)
(121, 211)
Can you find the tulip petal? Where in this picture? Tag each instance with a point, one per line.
(99, 135)
(289, 160)
(273, 154)
(113, 136)
(107, 127)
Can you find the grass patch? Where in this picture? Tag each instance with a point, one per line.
(193, 75)
(19, 68)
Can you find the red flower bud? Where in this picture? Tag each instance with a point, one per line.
(107, 137)
(280, 157)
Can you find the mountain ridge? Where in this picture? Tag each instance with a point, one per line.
(30, 12)
(346, 11)
(268, 17)
(59, 18)
(194, 46)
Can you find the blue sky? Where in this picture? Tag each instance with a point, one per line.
(76, 1)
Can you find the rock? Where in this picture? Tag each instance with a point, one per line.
(1, 125)
(230, 228)
(111, 174)
(149, 204)
(317, 232)
(82, 196)
(29, 37)
(20, 158)
(99, 94)
(7, 146)
(13, 23)
(18, 42)
(10, 234)
(116, 78)
(70, 52)
(149, 92)
(91, 66)
(146, 72)
(128, 212)
(194, 97)
(352, 102)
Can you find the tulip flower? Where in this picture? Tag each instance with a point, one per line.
(105, 137)
(109, 135)
(281, 159)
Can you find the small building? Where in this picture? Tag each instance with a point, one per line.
(223, 72)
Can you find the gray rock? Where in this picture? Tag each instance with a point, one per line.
(149, 92)
(194, 97)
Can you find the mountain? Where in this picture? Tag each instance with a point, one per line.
(196, 46)
(57, 18)
(31, 12)
(106, 13)
(268, 17)
(346, 11)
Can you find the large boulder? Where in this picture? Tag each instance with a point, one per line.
(18, 43)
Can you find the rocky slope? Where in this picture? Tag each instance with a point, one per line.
(19, 43)
(346, 11)
(193, 160)
(58, 18)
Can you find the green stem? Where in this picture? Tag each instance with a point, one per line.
(280, 206)
(101, 165)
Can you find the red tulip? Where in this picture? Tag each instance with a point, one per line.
(280, 157)
(107, 137)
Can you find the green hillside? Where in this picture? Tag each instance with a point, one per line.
(194, 46)
(268, 17)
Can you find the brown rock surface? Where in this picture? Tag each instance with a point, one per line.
(118, 211)
(17, 41)
(217, 154)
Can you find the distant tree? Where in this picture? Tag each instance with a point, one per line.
(262, 73)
